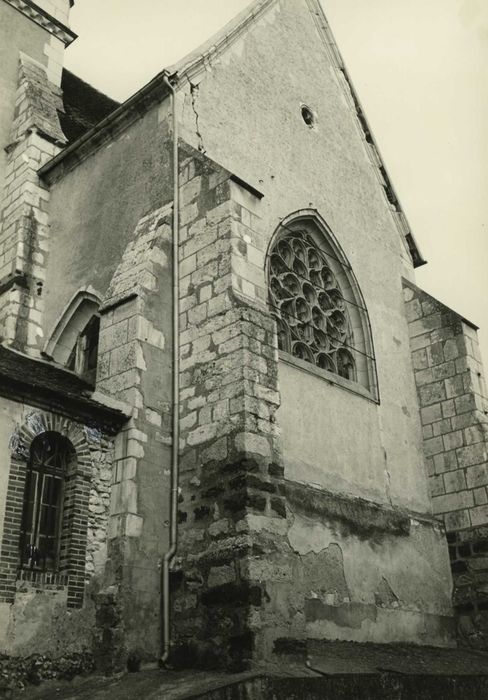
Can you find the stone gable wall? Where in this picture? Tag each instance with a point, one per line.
(259, 557)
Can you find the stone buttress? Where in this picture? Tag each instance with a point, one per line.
(454, 414)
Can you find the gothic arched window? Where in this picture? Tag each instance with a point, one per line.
(74, 341)
(320, 314)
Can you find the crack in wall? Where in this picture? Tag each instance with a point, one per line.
(194, 93)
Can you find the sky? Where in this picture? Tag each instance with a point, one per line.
(420, 68)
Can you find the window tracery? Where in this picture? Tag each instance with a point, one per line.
(313, 321)
(314, 297)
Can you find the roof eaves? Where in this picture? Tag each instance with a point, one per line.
(38, 382)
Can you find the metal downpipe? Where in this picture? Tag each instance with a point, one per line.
(173, 532)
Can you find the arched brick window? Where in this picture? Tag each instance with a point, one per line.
(45, 537)
(319, 310)
(51, 464)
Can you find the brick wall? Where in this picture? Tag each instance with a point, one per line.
(85, 507)
(454, 414)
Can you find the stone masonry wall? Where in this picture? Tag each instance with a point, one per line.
(230, 509)
(454, 414)
(36, 137)
(134, 364)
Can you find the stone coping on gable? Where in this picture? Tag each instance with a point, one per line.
(45, 20)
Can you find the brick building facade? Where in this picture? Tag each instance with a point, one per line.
(231, 423)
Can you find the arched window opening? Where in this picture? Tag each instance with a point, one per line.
(42, 521)
(74, 340)
(83, 358)
(321, 317)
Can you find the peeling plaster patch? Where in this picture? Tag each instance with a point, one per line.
(307, 536)
(325, 576)
(352, 615)
(384, 596)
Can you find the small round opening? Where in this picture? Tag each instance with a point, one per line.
(307, 115)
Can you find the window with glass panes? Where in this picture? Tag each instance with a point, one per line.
(43, 502)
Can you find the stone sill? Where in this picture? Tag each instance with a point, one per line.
(40, 580)
(329, 377)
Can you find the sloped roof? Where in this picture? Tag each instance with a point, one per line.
(84, 106)
(37, 382)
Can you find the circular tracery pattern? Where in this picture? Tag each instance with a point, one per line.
(313, 321)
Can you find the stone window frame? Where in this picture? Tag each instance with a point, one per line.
(366, 382)
(73, 539)
(67, 336)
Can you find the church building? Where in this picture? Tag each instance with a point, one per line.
(231, 424)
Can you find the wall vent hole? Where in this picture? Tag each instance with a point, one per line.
(308, 116)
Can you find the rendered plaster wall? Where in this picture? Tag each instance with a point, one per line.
(108, 193)
(347, 583)
(257, 132)
(331, 439)
(17, 33)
